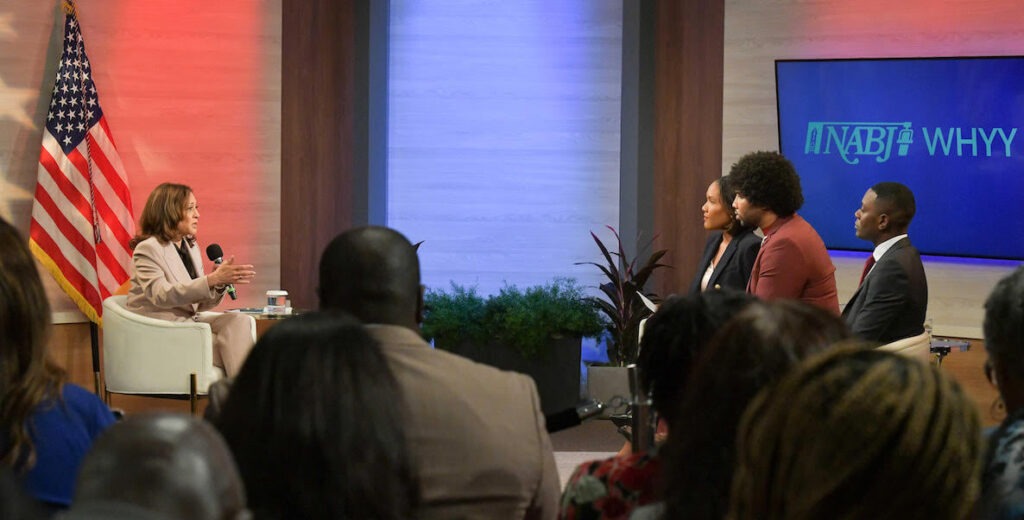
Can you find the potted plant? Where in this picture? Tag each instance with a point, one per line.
(624, 309)
(536, 331)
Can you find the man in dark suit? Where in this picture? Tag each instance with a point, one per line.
(793, 262)
(892, 299)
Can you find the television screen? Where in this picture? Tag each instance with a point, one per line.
(949, 128)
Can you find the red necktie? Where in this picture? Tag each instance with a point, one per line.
(867, 267)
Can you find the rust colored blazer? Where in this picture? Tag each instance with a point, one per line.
(794, 264)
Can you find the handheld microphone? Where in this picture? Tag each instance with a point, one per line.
(571, 417)
(216, 254)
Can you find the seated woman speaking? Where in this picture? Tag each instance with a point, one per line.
(168, 281)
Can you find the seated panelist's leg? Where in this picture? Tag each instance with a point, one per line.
(232, 340)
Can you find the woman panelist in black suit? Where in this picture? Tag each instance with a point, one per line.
(730, 252)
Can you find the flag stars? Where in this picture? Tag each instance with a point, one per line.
(60, 127)
(81, 127)
(89, 113)
(63, 102)
(60, 115)
(67, 139)
(91, 102)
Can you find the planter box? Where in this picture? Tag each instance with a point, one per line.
(557, 373)
(605, 383)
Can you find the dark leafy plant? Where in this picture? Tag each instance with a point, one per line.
(524, 319)
(623, 306)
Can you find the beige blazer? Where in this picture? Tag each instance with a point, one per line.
(476, 433)
(161, 287)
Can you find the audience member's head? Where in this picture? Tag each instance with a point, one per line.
(14, 502)
(753, 350)
(372, 273)
(27, 377)
(1004, 338)
(858, 433)
(314, 420)
(674, 337)
(766, 181)
(170, 465)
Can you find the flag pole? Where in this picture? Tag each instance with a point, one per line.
(94, 337)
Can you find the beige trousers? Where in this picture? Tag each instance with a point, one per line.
(232, 340)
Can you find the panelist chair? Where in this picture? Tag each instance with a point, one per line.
(157, 358)
(917, 347)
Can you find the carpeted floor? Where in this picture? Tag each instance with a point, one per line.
(594, 439)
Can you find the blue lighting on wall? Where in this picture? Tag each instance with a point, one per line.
(504, 136)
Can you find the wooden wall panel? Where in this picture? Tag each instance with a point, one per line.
(687, 129)
(757, 32)
(317, 133)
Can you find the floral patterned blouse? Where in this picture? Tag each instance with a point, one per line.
(611, 488)
(1002, 483)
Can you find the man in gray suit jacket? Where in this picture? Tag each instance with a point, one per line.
(476, 433)
(892, 299)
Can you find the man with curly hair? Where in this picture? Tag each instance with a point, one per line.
(793, 262)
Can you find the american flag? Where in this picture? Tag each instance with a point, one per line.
(82, 214)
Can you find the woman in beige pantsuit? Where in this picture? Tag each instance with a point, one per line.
(168, 282)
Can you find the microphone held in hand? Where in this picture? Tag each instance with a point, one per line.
(216, 255)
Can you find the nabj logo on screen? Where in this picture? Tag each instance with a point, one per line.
(852, 141)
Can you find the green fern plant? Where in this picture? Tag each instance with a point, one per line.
(524, 319)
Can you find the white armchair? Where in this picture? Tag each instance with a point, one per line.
(159, 358)
(918, 347)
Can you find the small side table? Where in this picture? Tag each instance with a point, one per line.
(264, 321)
(941, 347)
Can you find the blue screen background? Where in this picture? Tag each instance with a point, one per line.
(966, 205)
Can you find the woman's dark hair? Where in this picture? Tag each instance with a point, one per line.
(769, 180)
(27, 376)
(673, 338)
(1004, 324)
(753, 350)
(314, 420)
(858, 433)
(164, 209)
(728, 194)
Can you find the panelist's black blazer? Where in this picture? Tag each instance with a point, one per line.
(733, 269)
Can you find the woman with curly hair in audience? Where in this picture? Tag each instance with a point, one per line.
(314, 421)
(753, 350)
(858, 433)
(48, 424)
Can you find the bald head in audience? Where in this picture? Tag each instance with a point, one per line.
(159, 466)
(372, 273)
